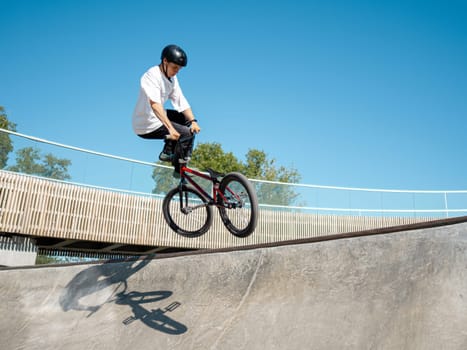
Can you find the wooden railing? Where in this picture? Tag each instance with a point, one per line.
(39, 207)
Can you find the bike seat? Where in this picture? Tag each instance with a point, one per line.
(215, 174)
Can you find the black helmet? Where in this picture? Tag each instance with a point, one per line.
(174, 54)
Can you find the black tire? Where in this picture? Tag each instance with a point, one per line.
(190, 217)
(240, 211)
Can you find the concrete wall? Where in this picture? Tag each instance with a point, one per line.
(17, 251)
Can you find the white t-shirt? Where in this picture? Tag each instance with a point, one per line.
(156, 87)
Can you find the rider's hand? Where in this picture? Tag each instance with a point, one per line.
(195, 127)
(173, 135)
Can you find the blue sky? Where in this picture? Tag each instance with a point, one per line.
(350, 93)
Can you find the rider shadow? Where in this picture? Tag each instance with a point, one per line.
(89, 291)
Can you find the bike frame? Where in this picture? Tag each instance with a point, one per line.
(216, 193)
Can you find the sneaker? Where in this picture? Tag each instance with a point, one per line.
(167, 152)
(165, 157)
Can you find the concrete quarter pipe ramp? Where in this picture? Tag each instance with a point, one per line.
(400, 290)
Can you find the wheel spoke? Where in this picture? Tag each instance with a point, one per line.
(189, 217)
(240, 211)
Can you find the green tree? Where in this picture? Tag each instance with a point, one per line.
(29, 160)
(257, 166)
(205, 155)
(163, 179)
(211, 155)
(55, 168)
(6, 145)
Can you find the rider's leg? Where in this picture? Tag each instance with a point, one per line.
(178, 122)
(168, 151)
(161, 133)
(183, 127)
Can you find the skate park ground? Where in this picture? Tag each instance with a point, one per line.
(397, 288)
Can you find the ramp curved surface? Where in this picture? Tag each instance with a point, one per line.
(401, 290)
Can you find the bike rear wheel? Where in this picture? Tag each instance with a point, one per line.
(187, 212)
(239, 212)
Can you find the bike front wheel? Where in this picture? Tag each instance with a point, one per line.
(239, 210)
(187, 212)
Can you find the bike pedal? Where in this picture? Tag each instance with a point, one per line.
(129, 320)
(172, 306)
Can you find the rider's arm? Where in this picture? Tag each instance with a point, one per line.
(159, 111)
(189, 116)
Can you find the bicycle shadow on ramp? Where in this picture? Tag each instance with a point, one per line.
(93, 288)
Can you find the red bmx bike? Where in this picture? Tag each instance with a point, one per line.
(188, 209)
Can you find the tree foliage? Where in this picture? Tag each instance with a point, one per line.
(55, 168)
(6, 145)
(163, 179)
(211, 155)
(29, 160)
(257, 165)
